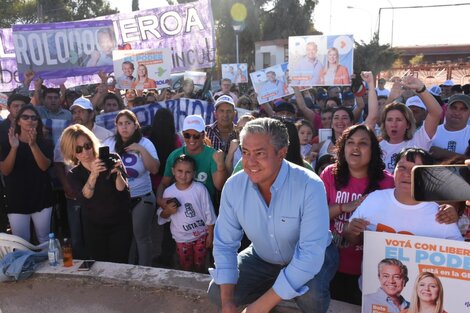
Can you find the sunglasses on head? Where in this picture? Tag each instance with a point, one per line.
(86, 146)
(188, 136)
(26, 117)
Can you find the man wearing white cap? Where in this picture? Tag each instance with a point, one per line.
(453, 137)
(418, 108)
(83, 114)
(446, 89)
(221, 132)
(210, 166)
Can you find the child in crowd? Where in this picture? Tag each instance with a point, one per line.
(192, 215)
(305, 131)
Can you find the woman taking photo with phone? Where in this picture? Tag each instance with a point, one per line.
(24, 161)
(102, 193)
(140, 159)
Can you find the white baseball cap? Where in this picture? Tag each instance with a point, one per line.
(224, 99)
(415, 101)
(83, 103)
(194, 122)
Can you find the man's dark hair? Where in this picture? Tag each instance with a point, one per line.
(50, 90)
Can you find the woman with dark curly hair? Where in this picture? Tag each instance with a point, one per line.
(24, 160)
(358, 170)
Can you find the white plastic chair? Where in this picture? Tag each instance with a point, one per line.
(10, 243)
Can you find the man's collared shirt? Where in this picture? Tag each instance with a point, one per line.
(310, 67)
(291, 231)
(213, 133)
(125, 82)
(381, 300)
(61, 114)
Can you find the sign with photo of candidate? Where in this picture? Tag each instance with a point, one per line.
(142, 69)
(402, 273)
(321, 60)
(57, 50)
(271, 83)
(237, 73)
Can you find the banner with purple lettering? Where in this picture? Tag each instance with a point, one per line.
(186, 29)
(142, 69)
(59, 50)
(403, 273)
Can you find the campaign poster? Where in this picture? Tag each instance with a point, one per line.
(237, 73)
(199, 78)
(57, 50)
(142, 69)
(271, 83)
(321, 60)
(402, 272)
(186, 29)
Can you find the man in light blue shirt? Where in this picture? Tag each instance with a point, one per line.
(282, 209)
(309, 65)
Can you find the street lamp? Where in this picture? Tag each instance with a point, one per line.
(370, 16)
(238, 27)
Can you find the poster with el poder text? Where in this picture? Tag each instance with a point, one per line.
(401, 272)
(142, 69)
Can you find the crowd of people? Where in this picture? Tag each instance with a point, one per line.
(276, 198)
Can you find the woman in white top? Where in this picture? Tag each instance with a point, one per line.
(343, 117)
(398, 124)
(140, 158)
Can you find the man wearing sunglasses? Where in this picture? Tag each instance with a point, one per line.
(83, 114)
(222, 132)
(210, 166)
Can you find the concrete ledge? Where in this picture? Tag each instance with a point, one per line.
(150, 277)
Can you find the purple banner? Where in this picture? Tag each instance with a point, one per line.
(186, 29)
(60, 50)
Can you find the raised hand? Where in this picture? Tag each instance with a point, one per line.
(13, 138)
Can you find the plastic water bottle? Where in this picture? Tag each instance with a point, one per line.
(53, 251)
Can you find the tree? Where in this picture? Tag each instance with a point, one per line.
(135, 5)
(373, 56)
(35, 11)
(289, 18)
(417, 59)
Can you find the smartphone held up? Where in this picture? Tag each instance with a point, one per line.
(441, 182)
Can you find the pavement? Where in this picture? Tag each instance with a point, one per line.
(116, 288)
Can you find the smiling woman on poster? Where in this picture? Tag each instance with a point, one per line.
(143, 81)
(334, 73)
(428, 295)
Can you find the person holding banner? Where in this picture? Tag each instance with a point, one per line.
(428, 295)
(140, 159)
(334, 73)
(25, 159)
(143, 81)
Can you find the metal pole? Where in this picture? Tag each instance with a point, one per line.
(236, 37)
(378, 28)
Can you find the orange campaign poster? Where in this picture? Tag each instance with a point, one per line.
(403, 273)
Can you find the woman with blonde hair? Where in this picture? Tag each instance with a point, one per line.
(398, 125)
(334, 73)
(143, 81)
(428, 295)
(103, 194)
